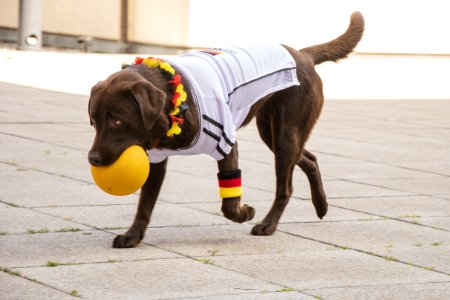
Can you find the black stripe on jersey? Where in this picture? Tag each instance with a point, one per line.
(212, 121)
(220, 151)
(217, 124)
(211, 134)
(227, 139)
(248, 82)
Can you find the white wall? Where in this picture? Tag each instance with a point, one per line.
(399, 26)
(149, 21)
(9, 13)
(99, 18)
(82, 17)
(158, 21)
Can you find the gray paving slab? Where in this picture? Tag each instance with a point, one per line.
(369, 170)
(154, 279)
(381, 153)
(178, 187)
(281, 295)
(266, 157)
(63, 191)
(394, 111)
(31, 250)
(435, 166)
(378, 159)
(122, 216)
(339, 116)
(254, 175)
(71, 135)
(42, 96)
(325, 158)
(336, 268)
(249, 141)
(205, 166)
(15, 287)
(409, 243)
(205, 189)
(418, 291)
(36, 112)
(434, 256)
(297, 211)
(61, 161)
(39, 105)
(377, 136)
(373, 235)
(226, 240)
(438, 222)
(345, 189)
(23, 220)
(434, 186)
(398, 207)
(261, 176)
(258, 180)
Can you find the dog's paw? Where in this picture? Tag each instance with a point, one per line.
(322, 211)
(126, 241)
(264, 228)
(249, 212)
(321, 207)
(238, 213)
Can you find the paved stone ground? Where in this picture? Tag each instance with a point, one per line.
(386, 169)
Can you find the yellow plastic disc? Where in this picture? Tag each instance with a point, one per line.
(126, 175)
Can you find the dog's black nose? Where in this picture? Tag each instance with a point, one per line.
(95, 159)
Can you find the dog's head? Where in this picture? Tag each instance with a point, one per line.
(125, 109)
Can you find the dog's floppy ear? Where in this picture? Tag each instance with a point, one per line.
(94, 91)
(150, 101)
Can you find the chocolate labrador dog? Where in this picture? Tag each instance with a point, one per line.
(194, 103)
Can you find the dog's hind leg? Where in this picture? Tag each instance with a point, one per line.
(308, 164)
(287, 149)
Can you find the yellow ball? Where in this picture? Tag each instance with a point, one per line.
(126, 175)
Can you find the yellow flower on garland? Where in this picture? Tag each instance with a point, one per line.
(174, 130)
(179, 100)
(183, 96)
(167, 67)
(151, 62)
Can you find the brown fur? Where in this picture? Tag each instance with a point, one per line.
(132, 106)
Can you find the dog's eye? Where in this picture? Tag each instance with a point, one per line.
(116, 122)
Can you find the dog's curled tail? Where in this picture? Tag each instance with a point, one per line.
(340, 47)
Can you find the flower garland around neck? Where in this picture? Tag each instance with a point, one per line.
(175, 85)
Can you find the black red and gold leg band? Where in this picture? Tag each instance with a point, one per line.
(230, 184)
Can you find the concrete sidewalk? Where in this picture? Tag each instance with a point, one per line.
(386, 169)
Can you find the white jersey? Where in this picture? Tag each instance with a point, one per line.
(225, 83)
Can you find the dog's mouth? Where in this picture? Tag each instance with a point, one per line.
(98, 158)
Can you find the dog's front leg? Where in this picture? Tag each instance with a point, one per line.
(230, 189)
(147, 200)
